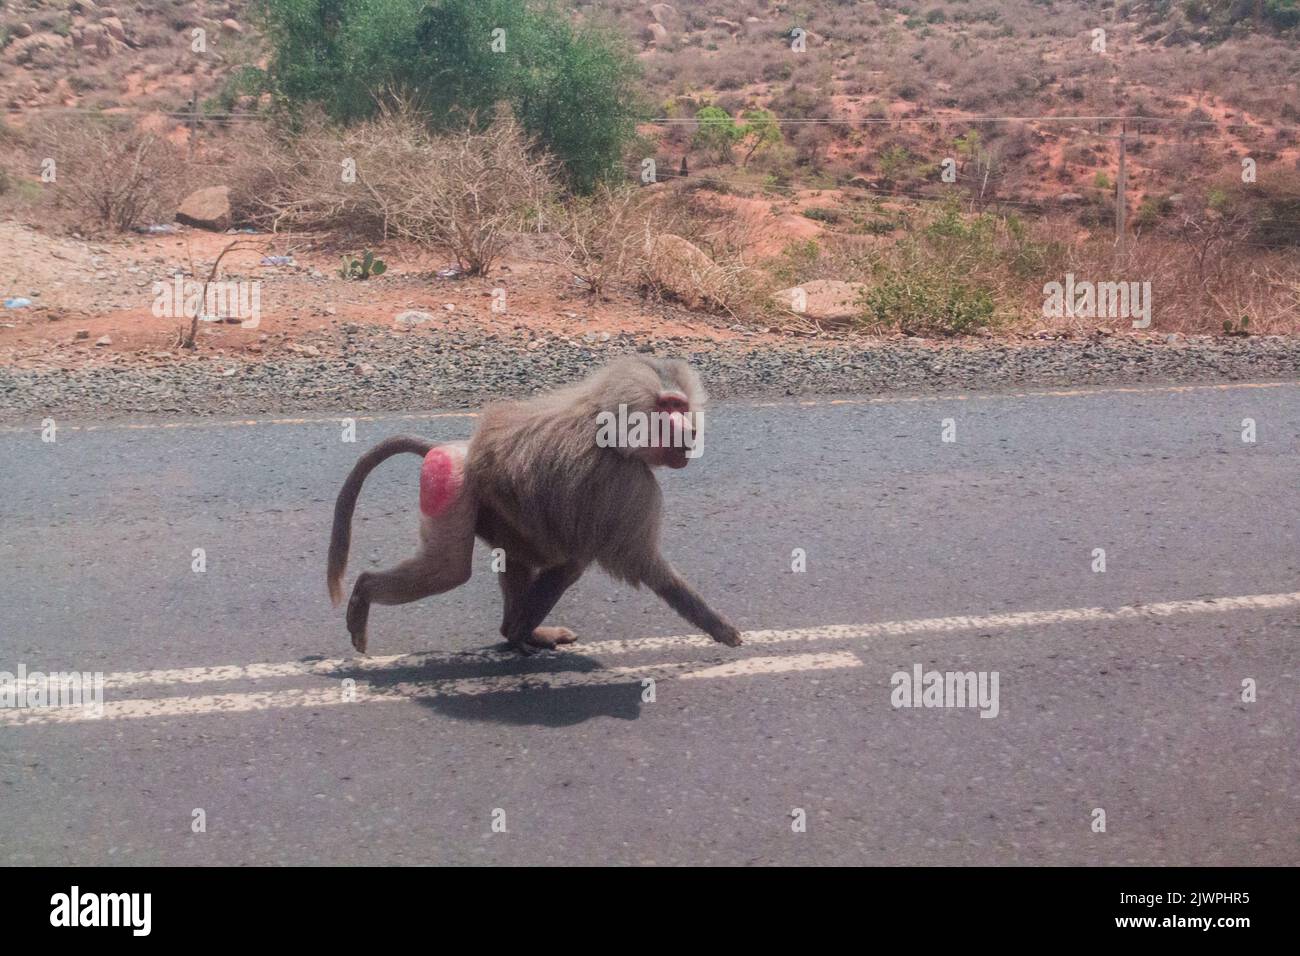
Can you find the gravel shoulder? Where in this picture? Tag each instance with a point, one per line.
(369, 371)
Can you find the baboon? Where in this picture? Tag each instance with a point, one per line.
(536, 482)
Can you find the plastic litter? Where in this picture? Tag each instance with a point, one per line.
(17, 302)
(450, 272)
(157, 229)
(277, 260)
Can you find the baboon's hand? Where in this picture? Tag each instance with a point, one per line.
(727, 635)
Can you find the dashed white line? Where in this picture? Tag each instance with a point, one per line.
(344, 667)
(365, 693)
(375, 669)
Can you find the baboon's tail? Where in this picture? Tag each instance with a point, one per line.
(341, 536)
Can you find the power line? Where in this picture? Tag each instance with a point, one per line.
(964, 120)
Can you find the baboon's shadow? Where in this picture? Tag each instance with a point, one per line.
(516, 690)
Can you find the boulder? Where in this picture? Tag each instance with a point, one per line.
(206, 208)
(115, 28)
(231, 25)
(831, 301)
(663, 13)
(24, 49)
(656, 33)
(95, 37)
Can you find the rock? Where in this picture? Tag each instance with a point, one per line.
(115, 28)
(678, 268)
(861, 182)
(23, 30)
(95, 37)
(662, 12)
(825, 300)
(104, 340)
(24, 49)
(657, 34)
(81, 334)
(231, 25)
(731, 26)
(207, 209)
(1067, 199)
(411, 318)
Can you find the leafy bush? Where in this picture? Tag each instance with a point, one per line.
(822, 214)
(927, 303)
(570, 87)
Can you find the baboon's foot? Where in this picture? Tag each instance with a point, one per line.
(551, 637)
(358, 613)
(728, 635)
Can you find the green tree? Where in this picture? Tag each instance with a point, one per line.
(758, 130)
(718, 132)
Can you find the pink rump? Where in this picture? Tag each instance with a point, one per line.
(441, 478)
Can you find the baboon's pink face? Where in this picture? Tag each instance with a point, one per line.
(675, 410)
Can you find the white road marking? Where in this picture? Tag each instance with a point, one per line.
(391, 666)
(348, 667)
(364, 693)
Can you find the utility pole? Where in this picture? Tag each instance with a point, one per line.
(1121, 199)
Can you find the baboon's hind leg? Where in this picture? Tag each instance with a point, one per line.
(418, 577)
(445, 558)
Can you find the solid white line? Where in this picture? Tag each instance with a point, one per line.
(344, 667)
(363, 693)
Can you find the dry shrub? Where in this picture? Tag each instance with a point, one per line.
(1196, 288)
(465, 191)
(727, 282)
(108, 173)
(602, 236)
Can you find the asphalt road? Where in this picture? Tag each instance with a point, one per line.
(970, 555)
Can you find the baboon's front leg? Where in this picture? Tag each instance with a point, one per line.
(535, 603)
(668, 584)
(515, 581)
